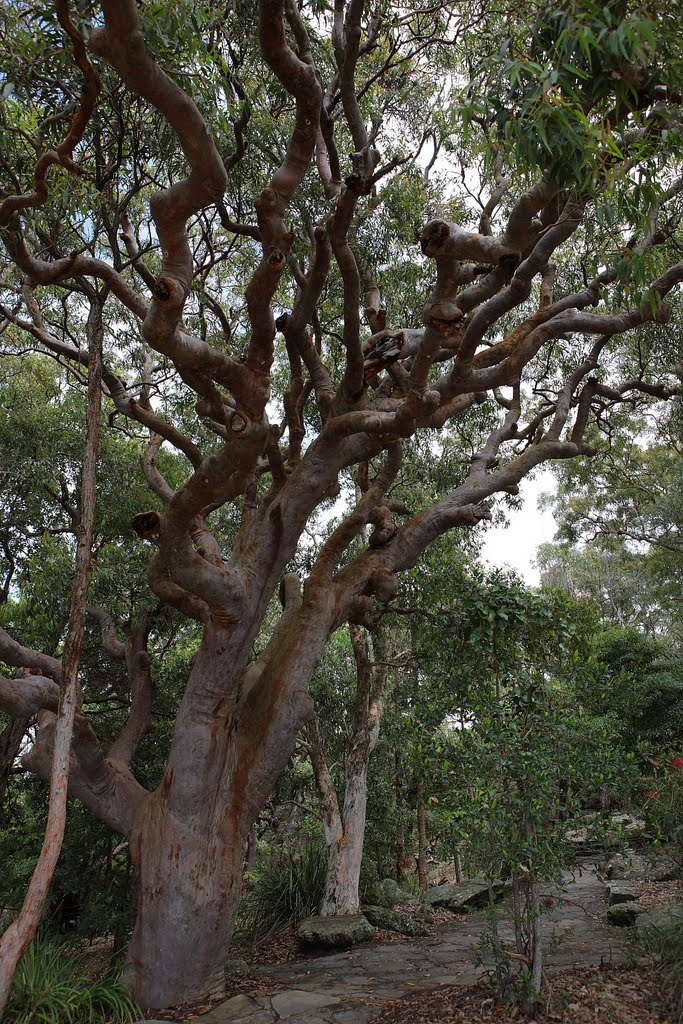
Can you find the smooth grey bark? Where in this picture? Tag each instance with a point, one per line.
(344, 825)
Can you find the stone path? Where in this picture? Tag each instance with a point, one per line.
(351, 987)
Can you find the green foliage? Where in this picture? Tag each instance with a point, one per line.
(572, 75)
(663, 800)
(636, 684)
(92, 892)
(531, 762)
(55, 986)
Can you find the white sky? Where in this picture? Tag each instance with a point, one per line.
(515, 545)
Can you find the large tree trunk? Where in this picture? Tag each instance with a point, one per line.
(188, 841)
(189, 880)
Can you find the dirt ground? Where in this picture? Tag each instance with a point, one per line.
(592, 995)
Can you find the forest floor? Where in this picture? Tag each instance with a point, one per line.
(440, 979)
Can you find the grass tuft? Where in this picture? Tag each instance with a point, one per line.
(53, 985)
(285, 888)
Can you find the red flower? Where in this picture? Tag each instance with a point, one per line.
(677, 762)
(652, 794)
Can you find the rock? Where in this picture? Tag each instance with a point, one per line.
(233, 1010)
(464, 896)
(609, 832)
(297, 1001)
(236, 967)
(623, 915)
(394, 921)
(626, 823)
(620, 892)
(660, 919)
(391, 894)
(653, 867)
(577, 836)
(335, 931)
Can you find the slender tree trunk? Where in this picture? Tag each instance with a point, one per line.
(421, 839)
(532, 1000)
(345, 826)
(21, 932)
(346, 855)
(457, 863)
(252, 850)
(400, 831)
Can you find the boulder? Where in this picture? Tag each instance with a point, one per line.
(464, 896)
(624, 915)
(620, 892)
(626, 823)
(600, 833)
(334, 932)
(394, 921)
(660, 919)
(651, 867)
(577, 836)
(236, 967)
(392, 895)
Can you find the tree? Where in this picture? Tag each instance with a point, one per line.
(620, 524)
(344, 822)
(617, 580)
(636, 684)
(150, 185)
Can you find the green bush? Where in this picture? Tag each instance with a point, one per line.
(56, 986)
(663, 802)
(287, 887)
